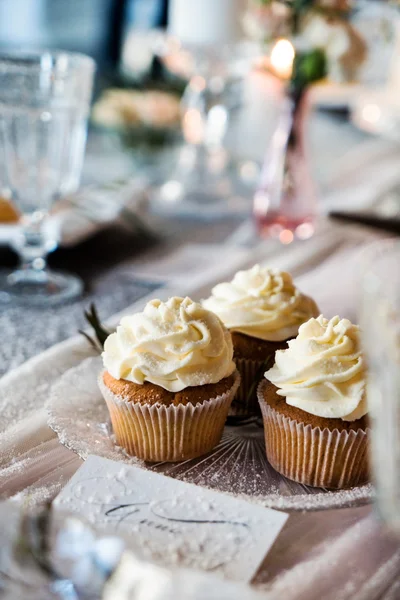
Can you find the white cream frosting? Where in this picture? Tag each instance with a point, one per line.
(262, 303)
(322, 372)
(174, 344)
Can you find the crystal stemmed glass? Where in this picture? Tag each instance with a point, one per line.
(207, 180)
(380, 326)
(44, 105)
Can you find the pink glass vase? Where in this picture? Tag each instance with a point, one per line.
(285, 201)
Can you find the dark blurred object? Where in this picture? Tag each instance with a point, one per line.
(142, 22)
(389, 224)
(79, 25)
(145, 14)
(92, 257)
(94, 27)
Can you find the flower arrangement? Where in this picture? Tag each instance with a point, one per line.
(120, 108)
(320, 30)
(310, 40)
(288, 15)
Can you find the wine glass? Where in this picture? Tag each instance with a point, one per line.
(206, 176)
(205, 42)
(44, 104)
(380, 323)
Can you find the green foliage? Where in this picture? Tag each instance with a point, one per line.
(308, 67)
(100, 332)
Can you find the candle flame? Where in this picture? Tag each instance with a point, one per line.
(282, 57)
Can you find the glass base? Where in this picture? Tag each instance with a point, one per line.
(208, 193)
(286, 229)
(38, 288)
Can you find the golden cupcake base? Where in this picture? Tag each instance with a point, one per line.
(158, 433)
(311, 455)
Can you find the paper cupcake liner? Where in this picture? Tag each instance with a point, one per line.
(311, 455)
(245, 404)
(168, 433)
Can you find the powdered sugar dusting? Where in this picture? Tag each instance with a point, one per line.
(36, 496)
(358, 564)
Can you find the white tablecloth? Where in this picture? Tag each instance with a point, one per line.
(331, 554)
(335, 555)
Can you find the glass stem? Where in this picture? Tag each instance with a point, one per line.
(205, 117)
(205, 120)
(31, 245)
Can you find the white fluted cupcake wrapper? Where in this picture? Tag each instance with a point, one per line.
(311, 455)
(245, 403)
(168, 433)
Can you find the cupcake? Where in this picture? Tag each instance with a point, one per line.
(315, 423)
(263, 309)
(169, 380)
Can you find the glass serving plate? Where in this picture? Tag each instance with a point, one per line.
(238, 465)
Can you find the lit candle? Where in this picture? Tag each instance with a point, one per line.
(205, 22)
(282, 57)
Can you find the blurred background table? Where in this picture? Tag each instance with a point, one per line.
(95, 259)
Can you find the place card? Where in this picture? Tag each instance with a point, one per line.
(172, 522)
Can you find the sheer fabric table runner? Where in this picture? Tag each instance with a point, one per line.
(329, 554)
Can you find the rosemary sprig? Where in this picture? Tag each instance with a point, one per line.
(100, 332)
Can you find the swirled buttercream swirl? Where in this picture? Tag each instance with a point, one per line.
(174, 344)
(322, 372)
(262, 303)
